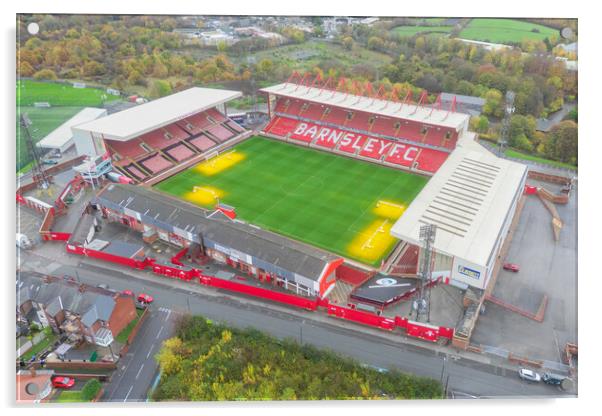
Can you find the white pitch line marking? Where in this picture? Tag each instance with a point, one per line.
(128, 395)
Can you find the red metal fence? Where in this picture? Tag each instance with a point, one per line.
(413, 329)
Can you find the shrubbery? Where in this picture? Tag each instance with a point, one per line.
(208, 361)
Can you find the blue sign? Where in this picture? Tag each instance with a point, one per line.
(469, 272)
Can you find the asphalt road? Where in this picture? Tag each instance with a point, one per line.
(137, 370)
(467, 377)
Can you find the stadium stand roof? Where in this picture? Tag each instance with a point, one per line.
(468, 199)
(270, 247)
(135, 121)
(386, 108)
(60, 137)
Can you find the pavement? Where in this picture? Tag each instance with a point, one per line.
(547, 267)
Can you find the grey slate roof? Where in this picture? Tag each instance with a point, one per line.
(464, 99)
(101, 309)
(272, 248)
(82, 229)
(58, 294)
(122, 248)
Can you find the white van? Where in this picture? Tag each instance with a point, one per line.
(23, 241)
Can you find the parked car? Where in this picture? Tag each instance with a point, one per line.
(49, 162)
(511, 267)
(63, 382)
(553, 379)
(127, 293)
(144, 298)
(529, 375)
(103, 286)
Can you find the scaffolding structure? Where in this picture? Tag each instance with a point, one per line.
(422, 304)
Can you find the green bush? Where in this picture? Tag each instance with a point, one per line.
(91, 389)
(206, 362)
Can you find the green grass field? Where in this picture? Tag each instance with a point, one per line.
(70, 396)
(414, 30)
(505, 31)
(44, 120)
(65, 102)
(325, 200)
(519, 155)
(29, 92)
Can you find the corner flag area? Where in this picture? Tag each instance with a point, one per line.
(329, 201)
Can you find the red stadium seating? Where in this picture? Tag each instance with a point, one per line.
(294, 108)
(336, 116)
(130, 149)
(352, 143)
(180, 152)
(281, 126)
(202, 142)
(360, 121)
(195, 123)
(156, 163)
(216, 115)
(305, 132)
(135, 172)
(396, 153)
(430, 160)
(313, 111)
(402, 154)
(220, 132)
(234, 126)
(375, 148)
(384, 126)
(328, 137)
(410, 131)
(280, 105)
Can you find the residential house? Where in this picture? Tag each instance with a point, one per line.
(81, 312)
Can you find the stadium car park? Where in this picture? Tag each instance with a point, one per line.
(326, 202)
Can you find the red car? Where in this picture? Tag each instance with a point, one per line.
(511, 267)
(63, 382)
(144, 298)
(127, 293)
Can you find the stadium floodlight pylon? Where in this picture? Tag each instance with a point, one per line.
(422, 305)
(38, 174)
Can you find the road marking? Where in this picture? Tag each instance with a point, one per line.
(139, 371)
(128, 395)
(168, 313)
(149, 351)
(159, 333)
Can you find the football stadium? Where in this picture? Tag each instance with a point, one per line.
(339, 180)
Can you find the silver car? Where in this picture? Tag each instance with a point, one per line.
(529, 375)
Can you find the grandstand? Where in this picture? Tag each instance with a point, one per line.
(405, 135)
(153, 138)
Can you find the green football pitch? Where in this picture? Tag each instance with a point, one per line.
(333, 202)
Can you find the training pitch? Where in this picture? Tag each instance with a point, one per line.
(333, 202)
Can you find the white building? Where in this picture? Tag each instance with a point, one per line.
(472, 200)
(61, 138)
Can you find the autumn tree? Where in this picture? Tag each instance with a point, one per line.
(494, 103)
(45, 74)
(562, 142)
